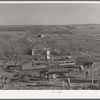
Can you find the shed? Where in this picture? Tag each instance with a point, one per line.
(40, 35)
(30, 72)
(84, 61)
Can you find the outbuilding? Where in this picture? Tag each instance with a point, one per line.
(86, 61)
(40, 35)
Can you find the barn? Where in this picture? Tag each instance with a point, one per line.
(40, 46)
(41, 51)
(86, 61)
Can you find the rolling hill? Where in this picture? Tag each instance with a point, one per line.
(79, 39)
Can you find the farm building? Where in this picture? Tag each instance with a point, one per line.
(41, 35)
(40, 46)
(30, 72)
(41, 49)
(39, 64)
(34, 64)
(35, 73)
(85, 61)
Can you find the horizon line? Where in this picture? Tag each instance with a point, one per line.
(51, 24)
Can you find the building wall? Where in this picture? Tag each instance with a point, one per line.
(47, 54)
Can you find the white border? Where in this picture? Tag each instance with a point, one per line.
(49, 94)
(49, 2)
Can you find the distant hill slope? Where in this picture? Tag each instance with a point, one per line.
(85, 26)
(45, 29)
(82, 44)
(15, 27)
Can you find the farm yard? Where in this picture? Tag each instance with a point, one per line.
(78, 81)
(45, 57)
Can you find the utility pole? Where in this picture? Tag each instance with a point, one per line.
(92, 79)
(63, 85)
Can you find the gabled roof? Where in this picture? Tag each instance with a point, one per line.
(41, 46)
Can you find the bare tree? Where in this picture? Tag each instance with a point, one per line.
(7, 37)
(10, 51)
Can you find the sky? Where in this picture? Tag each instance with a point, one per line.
(49, 14)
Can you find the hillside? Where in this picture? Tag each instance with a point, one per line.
(79, 39)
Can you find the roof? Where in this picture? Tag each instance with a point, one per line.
(41, 46)
(84, 59)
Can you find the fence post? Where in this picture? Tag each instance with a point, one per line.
(92, 79)
(63, 85)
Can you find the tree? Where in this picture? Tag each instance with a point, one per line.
(7, 37)
(15, 51)
(10, 51)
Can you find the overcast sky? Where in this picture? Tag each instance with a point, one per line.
(49, 14)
